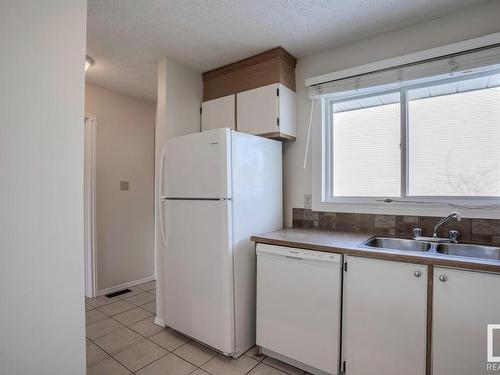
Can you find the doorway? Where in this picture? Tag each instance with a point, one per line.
(90, 151)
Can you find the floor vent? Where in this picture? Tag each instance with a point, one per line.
(119, 293)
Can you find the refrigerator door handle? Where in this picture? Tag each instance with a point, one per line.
(162, 171)
(162, 166)
(163, 236)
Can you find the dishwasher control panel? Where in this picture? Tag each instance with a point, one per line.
(291, 252)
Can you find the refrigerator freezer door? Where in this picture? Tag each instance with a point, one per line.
(198, 271)
(197, 166)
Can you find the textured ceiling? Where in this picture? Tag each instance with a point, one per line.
(126, 38)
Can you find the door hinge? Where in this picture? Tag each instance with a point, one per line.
(278, 121)
(343, 365)
(345, 270)
(201, 110)
(277, 92)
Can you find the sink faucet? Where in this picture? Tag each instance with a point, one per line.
(452, 235)
(454, 215)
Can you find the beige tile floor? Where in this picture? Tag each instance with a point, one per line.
(122, 339)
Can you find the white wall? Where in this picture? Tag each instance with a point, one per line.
(42, 327)
(180, 92)
(124, 219)
(473, 22)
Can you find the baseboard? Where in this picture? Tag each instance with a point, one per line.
(293, 362)
(160, 322)
(124, 286)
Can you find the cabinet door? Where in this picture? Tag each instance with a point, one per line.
(257, 110)
(218, 113)
(385, 317)
(464, 303)
(287, 112)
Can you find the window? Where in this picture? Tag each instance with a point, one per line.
(432, 139)
(454, 138)
(366, 154)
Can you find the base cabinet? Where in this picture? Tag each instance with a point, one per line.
(397, 317)
(464, 303)
(384, 318)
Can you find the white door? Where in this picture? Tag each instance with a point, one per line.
(464, 303)
(385, 317)
(218, 113)
(258, 110)
(197, 166)
(198, 271)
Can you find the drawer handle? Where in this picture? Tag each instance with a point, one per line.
(417, 273)
(443, 278)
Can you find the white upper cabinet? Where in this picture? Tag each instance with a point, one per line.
(385, 317)
(465, 302)
(218, 113)
(267, 110)
(256, 81)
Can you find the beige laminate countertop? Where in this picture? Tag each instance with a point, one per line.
(348, 243)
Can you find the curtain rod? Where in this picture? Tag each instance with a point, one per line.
(453, 49)
(432, 59)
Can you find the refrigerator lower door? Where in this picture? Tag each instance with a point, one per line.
(198, 271)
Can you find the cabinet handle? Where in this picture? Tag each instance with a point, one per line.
(443, 278)
(417, 273)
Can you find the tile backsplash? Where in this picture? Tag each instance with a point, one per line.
(485, 231)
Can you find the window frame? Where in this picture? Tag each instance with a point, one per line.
(327, 201)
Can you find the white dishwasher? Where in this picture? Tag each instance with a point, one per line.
(299, 307)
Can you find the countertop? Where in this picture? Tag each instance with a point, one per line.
(349, 243)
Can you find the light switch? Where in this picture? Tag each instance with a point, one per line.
(124, 186)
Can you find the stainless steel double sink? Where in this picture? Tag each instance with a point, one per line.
(446, 249)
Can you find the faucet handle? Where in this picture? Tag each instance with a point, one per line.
(417, 232)
(453, 235)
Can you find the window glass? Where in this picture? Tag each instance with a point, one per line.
(366, 152)
(454, 138)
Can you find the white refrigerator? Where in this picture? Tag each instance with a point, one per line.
(217, 189)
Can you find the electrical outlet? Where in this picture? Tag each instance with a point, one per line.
(307, 201)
